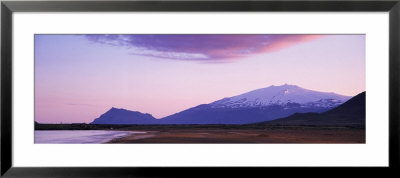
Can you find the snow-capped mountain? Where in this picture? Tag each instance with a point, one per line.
(281, 95)
(259, 105)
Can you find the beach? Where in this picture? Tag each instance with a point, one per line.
(78, 136)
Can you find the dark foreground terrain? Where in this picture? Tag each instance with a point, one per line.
(267, 135)
(250, 133)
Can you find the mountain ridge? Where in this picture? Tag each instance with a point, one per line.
(350, 113)
(257, 105)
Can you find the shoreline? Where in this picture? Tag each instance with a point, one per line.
(132, 136)
(157, 134)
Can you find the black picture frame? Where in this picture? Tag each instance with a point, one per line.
(8, 7)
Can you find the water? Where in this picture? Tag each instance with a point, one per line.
(79, 136)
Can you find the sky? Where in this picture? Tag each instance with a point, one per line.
(80, 77)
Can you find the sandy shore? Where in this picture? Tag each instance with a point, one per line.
(269, 135)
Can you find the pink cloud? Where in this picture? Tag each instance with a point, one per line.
(202, 47)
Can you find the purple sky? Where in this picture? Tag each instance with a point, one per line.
(79, 77)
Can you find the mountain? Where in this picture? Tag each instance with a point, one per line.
(255, 106)
(281, 95)
(258, 105)
(123, 116)
(350, 113)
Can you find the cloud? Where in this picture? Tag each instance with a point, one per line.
(201, 47)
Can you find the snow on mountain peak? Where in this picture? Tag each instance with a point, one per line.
(282, 95)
